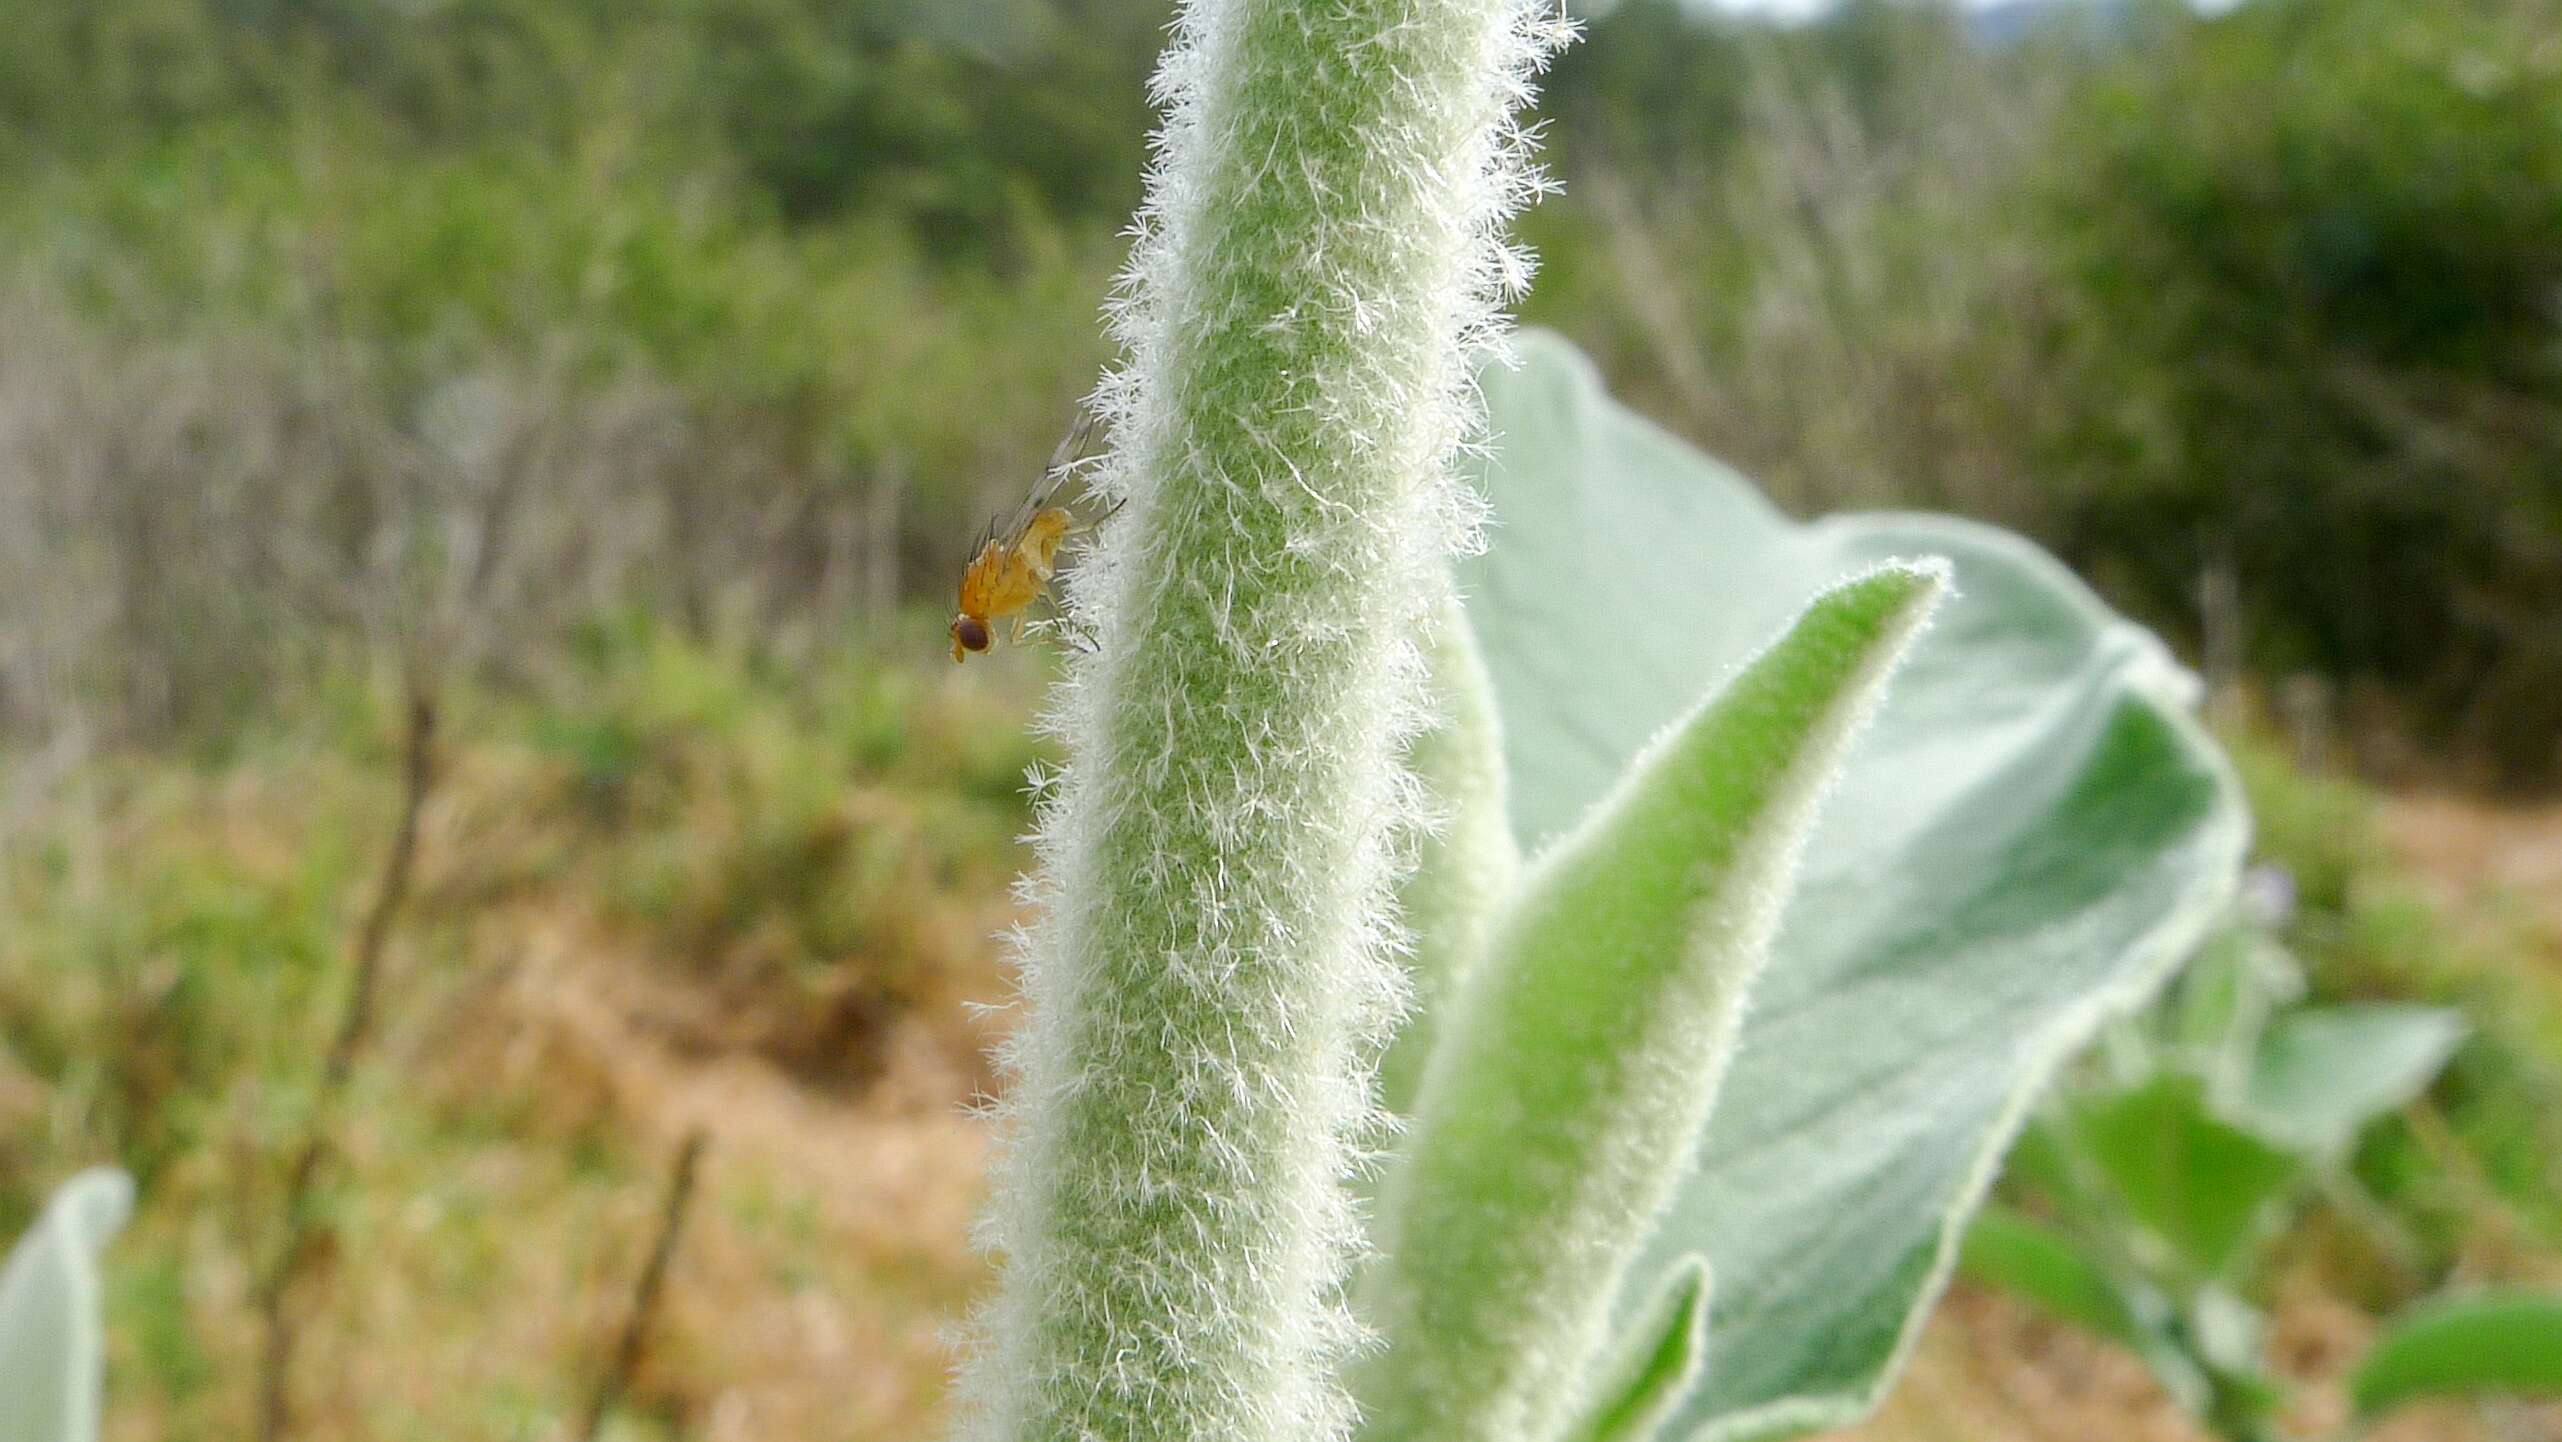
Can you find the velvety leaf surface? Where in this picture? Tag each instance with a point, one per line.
(2028, 838)
(1579, 1063)
(51, 1348)
(1659, 1357)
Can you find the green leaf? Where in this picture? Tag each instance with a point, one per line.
(2489, 1342)
(1655, 1362)
(2038, 1161)
(2043, 1266)
(2046, 1267)
(52, 1346)
(2029, 837)
(2201, 1186)
(1467, 864)
(1579, 1063)
(2322, 1073)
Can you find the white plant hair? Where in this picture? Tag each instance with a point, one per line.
(1318, 266)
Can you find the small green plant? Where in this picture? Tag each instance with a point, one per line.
(1648, 688)
(2188, 1145)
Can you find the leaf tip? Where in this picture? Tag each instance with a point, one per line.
(1659, 1358)
(1918, 580)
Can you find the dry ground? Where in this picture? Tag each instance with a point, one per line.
(2484, 860)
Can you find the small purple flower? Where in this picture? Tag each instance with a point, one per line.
(2268, 896)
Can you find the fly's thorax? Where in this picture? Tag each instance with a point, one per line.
(998, 583)
(1041, 537)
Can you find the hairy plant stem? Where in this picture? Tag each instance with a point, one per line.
(1216, 958)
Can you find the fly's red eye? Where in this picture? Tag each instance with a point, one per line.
(971, 632)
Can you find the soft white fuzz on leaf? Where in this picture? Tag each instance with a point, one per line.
(1577, 1068)
(1657, 1358)
(1466, 862)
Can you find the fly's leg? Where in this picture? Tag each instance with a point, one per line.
(1085, 528)
(1071, 634)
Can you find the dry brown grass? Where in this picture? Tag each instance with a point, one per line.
(807, 1299)
(544, 1049)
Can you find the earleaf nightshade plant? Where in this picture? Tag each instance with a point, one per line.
(1305, 766)
(2166, 1166)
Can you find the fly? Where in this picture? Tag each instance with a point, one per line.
(1012, 565)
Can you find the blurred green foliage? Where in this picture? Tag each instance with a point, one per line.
(953, 115)
(2266, 300)
(2348, 1081)
(2190, 1144)
(2318, 240)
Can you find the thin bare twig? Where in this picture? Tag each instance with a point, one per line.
(1654, 296)
(646, 1288)
(355, 1024)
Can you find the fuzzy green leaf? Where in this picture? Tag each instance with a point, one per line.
(2031, 835)
(1577, 1065)
(1468, 860)
(52, 1349)
(2491, 1342)
(2322, 1073)
(1656, 1362)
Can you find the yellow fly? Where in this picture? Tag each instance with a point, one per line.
(1012, 564)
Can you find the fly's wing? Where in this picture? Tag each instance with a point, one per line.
(1072, 451)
